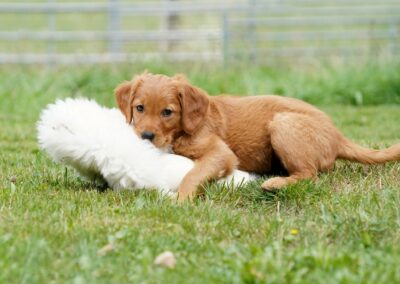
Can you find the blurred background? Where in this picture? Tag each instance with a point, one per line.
(255, 31)
(341, 55)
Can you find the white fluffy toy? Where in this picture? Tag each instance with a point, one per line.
(97, 142)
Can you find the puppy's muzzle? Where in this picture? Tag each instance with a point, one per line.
(147, 135)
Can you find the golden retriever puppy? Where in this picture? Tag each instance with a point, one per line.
(259, 134)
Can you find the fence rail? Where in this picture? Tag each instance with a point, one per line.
(107, 35)
(147, 8)
(67, 58)
(263, 29)
(211, 6)
(302, 21)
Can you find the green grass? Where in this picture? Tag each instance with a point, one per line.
(52, 223)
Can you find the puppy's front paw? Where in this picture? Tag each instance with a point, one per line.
(184, 197)
(186, 194)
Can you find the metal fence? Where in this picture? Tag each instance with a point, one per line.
(121, 31)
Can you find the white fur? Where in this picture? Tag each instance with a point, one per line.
(97, 142)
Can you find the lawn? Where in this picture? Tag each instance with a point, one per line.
(342, 228)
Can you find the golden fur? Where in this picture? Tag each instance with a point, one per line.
(258, 134)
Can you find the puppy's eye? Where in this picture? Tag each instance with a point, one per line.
(166, 112)
(140, 108)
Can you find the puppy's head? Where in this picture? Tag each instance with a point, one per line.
(160, 107)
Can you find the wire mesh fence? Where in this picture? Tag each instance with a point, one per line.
(118, 31)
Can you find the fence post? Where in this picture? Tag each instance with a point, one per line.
(169, 22)
(393, 38)
(251, 33)
(114, 26)
(225, 38)
(51, 26)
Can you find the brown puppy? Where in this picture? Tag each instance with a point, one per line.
(256, 134)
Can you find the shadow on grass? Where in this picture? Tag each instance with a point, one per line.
(251, 194)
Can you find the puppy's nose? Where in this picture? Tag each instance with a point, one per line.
(148, 135)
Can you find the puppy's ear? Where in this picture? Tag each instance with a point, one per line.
(194, 103)
(124, 94)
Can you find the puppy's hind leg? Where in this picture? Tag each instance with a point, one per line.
(304, 144)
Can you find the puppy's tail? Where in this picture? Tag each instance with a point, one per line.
(356, 153)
